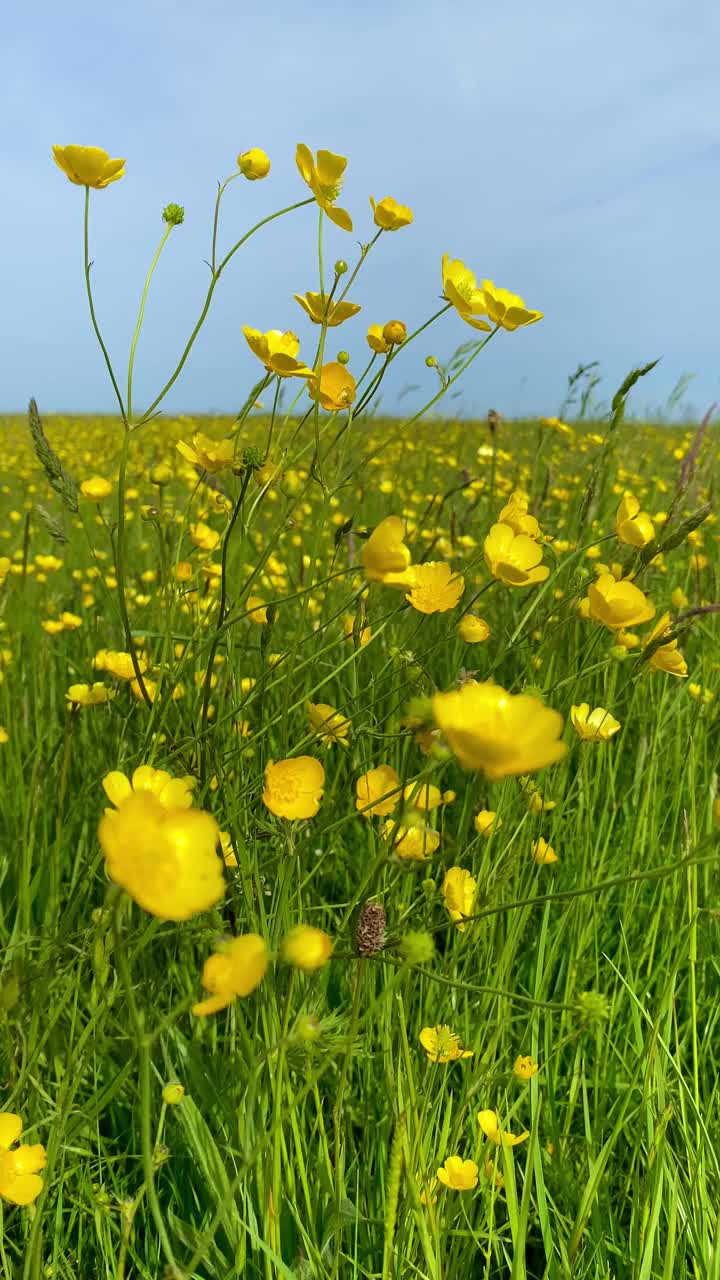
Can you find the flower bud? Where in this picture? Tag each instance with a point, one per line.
(394, 332)
(173, 1093)
(341, 267)
(308, 1028)
(253, 164)
(417, 947)
(252, 457)
(173, 214)
(431, 362)
(343, 357)
(160, 474)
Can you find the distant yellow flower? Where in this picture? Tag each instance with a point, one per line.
(19, 1168)
(487, 823)
(458, 1174)
(435, 587)
(119, 664)
(88, 166)
(348, 626)
(4, 736)
(294, 787)
(459, 889)
(412, 842)
(330, 725)
(618, 604)
(324, 176)
(234, 971)
(473, 630)
(422, 795)
(226, 849)
(373, 788)
(514, 558)
(384, 556)
(306, 948)
(377, 341)
(256, 610)
(490, 1125)
(442, 1045)
(277, 351)
(320, 308)
(542, 852)
(667, 657)
(593, 726)
(335, 388)
(515, 513)
(505, 308)
(501, 733)
(700, 694)
(96, 488)
(203, 537)
(211, 455)
(633, 526)
(253, 164)
(89, 695)
(460, 288)
(389, 215)
(525, 1068)
(678, 598)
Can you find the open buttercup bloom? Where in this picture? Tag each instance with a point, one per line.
(473, 630)
(515, 513)
(306, 948)
(593, 726)
(524, 1068)
(96, 488)
(89, 695)
(211, 455)
(88, 166)
(667, 657)
(322, 310)
(633, 526)
(422, 795)
(442, 1045)
(324, 176)
(617, 605)
(435, 588)
(330, 725)
(490, 1124)
(458, 889)
(503, 734)
(20, 1166)
(377, 791)
(278, 351)
(389, 215)
(487, 822)
(254, 164)
(294, 787)
(384, 556)
(334, 388)
(458, 1174)
(172, 793)
(542, 852)
(234, 971)
(412, 841)
(460, 288)
(377, 341)
(514, 558)
(506, 309)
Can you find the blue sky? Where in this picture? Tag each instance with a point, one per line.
(570, 152)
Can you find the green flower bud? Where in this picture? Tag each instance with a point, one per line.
(341, 267)
(252, 457)
(417, 947)
(173, 1093)
(308, 1028)
(593, 1007)
(431, 362)
(174, 214)
(343, 357)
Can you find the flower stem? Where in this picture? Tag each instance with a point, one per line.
(141, 315)
(120, 565)
(91, 304)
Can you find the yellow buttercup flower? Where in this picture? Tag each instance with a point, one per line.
(88, 166)
(458, 1174)
(542, 852)
(322, 310)
(458, 889)
(203, 537)
(211, 455)
(618, 605)
(505, 308)
(460, 288)
(424, 796)
(593, 726)
(172, 793)
(19, 1166)
(373, 791)
(633, 526)
(473, 630)
(173, 1094)
(324, 176)
(384, 556)
(294, 787)
(306, 948)
(253, 164)
(412, 842)
(503, 734)
(89, 695)
(515, 513)
(490, 1125)
(377, 341)
(389, 215)
(277, 351)
(395, 332)
(330, 725)
(514, 558)
(233, 972)
(442, 1045)
(435, 587)
(487, 823)
(348, 626)
(524, 1067)
(119, 664)
(96, 488)
(335, 387)
(667, 657)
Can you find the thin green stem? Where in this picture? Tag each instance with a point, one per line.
(141, 316)
(91, 304)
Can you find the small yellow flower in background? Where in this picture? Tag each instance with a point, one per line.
(394, 332)
(348, 626)
(373, 790)
(294, 787)
(277, 351)
(505, 308)
(667, 657)
(473, 630)
(524, 1067)
(70, 621)
(49, 564)
(515, 514)
(389, 215)
(422, 795)
(491, 1174)
(119, 664)
(618, 605)
(460, 288)
(52, 626)
(678, 599)
(203, 537)
(435, 587)
(320, 308)
(330, 725)
(89, 695)
(211, 455)
(324, 176)
(19, 1167)
(226, 848)
(534, 798)
(490, 1125)
(542, 852)
(4, 736)
(412, 842)
(335, 388)
(514, 558)
(173, 1094)
(88, 166)
(173, 793)
(255, 610)
(377, 341)
(458, 1174)
(384, 556)
(306, 948)
(253, 164)
(96, 488)
(633, 526)
(233, 972)
(183, 571)
(593, 726)
(487, 823)
(501, 733)
(458, 890)
(442, 1045)
(700, 694)
(627, 640)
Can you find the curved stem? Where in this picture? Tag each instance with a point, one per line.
(141, 315)
(120, 566)
(91, 305)
(223, 600)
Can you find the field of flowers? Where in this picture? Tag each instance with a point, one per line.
(359, 828)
